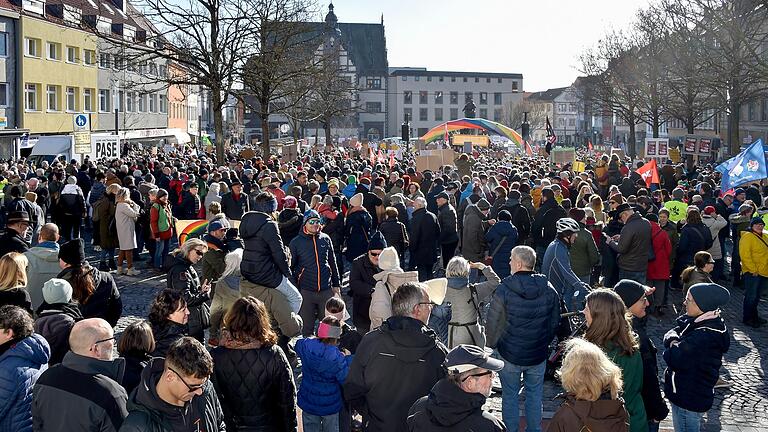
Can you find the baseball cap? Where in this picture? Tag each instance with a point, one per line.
(467, 357)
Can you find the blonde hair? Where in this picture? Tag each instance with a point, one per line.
(611, 323)
(114, 188)
(13, 271)
(587, 372)
(189, 245)
(124, 194)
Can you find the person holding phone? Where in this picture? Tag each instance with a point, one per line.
(182, 277)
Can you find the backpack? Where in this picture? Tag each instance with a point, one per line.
(707, 237)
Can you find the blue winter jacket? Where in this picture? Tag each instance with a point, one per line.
(324, 370)
(357, 233)
(494, 236)
(524, 315)
(20, 367)
(313, 263)
(556, 266)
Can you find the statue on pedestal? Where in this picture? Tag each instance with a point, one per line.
(469, 109)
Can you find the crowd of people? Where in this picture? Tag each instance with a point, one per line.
(342, 293)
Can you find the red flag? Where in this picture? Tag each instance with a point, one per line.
(528, 149)
(589, 145)
(391, 160)
(649, 172)
(381, 156)
(372, 155)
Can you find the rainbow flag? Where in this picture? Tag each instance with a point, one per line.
(493, 128)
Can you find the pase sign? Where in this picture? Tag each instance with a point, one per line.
(106, 147)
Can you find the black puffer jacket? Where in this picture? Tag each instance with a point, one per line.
(361, 281)
(166, 333)
(264, 260)
(543, 229)
(425, 236)
(449, 408)
(446, 218)
(54, 322)
(135, 361)
(255, 386)
(105, 302)
(148, 413)
(183, 277)
(395, 234)
(394, 365)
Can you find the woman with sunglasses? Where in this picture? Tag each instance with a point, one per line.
(182, 277)
(699, 272)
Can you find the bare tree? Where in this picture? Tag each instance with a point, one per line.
(514, 114)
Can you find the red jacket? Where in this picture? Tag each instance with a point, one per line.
(658, 269)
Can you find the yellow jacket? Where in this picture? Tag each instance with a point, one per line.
(753, 253)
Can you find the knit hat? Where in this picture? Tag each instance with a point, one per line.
(290, 202)
(217, 224)
(389, 260)
(483, 204)
(442, 195)
(57, 290)
(709, 210)
(356, 200)
(577, 214)
(351, 179)
(377, 241)
(505, 216)
(73, 252)
(266, 206)
(755, 221)
(333, 182)
(309, 215)
(739, 191)
(709, 296)
(630, 291)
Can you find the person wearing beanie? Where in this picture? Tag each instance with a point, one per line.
(700, 334)
(357, 228)
(388, 280)
(313, 264)
(362, 282)
(56, 316)
(161, 227)
(94, 290)
(753, 251)
(635, 298)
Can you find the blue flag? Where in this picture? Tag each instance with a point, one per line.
(745, 167)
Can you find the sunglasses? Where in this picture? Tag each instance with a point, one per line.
(478, 375)
(199, 252)
(314, 222)
(191, 388)
(374, 254)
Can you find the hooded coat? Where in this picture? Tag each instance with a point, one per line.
(21, 364)
(43, 266)
(387, 282)
(324, 369)
(394, 366)
(449, 408)
(603, 415)
(357, 232)
(264, 260)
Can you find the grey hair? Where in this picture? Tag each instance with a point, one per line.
(407, 297)
(189, 245)
(419, 202)
(457, 267)
(71, 180)
(525, 254)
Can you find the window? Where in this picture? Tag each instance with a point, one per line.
(483, 98)
(571, 122)
(514, 86)
(30, 97)
(438, 114)
(162, 70)
(373, 107)
(405, 78)
(416, 78)
(408, 113)
(119, 62)
(53, 51)
(373, 83)
(497, 112)
(440, 79)
(32, 47)
(52, 93)
(153, 103)
(467, 96)
(73, 54)
(465, 79)
(572, 107)
(164, 104)
(89, 57)
(454, 113)
(3, 44)
(423, 114)
(71, 99)
(88, 100)
(130, 102)
(142, 103)
(438, 97)
(562, 107)
(423, 95)
(453, 79)
(429, 79)
(407, 97)
(498, 80)
(483, 112)
(497, 98)
(3, 94)
(104, 101)
(454, 96)
(120, 101)
(104, 60)
(153, 69)
(487, 80)
(477, 79)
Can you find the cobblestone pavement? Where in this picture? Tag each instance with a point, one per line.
(743, 407)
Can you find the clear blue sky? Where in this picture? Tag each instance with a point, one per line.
(541, 39)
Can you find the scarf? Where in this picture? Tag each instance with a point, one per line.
(458, 283)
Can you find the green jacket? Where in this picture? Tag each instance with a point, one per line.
(632, 373)
(584, 253)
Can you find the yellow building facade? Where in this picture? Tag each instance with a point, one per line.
(59, 75)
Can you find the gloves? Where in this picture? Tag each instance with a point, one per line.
(670, 337)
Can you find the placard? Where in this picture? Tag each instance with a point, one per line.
(106, 146)
(663, 149)
(705, 146)
(656, 147)
(651, 150)
(690, 146)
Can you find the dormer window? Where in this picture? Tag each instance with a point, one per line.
(34, 6)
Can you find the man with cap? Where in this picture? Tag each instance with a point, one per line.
(694, 353)
(753, 251)
(634, 296)
(633, 244)
(398, 362)
(190, 202)
(456, 402)
(235, 203)
(313, 264)
(362, 282)
(446, 219)
(16, 229)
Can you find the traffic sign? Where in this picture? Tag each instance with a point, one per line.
(81, 122)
